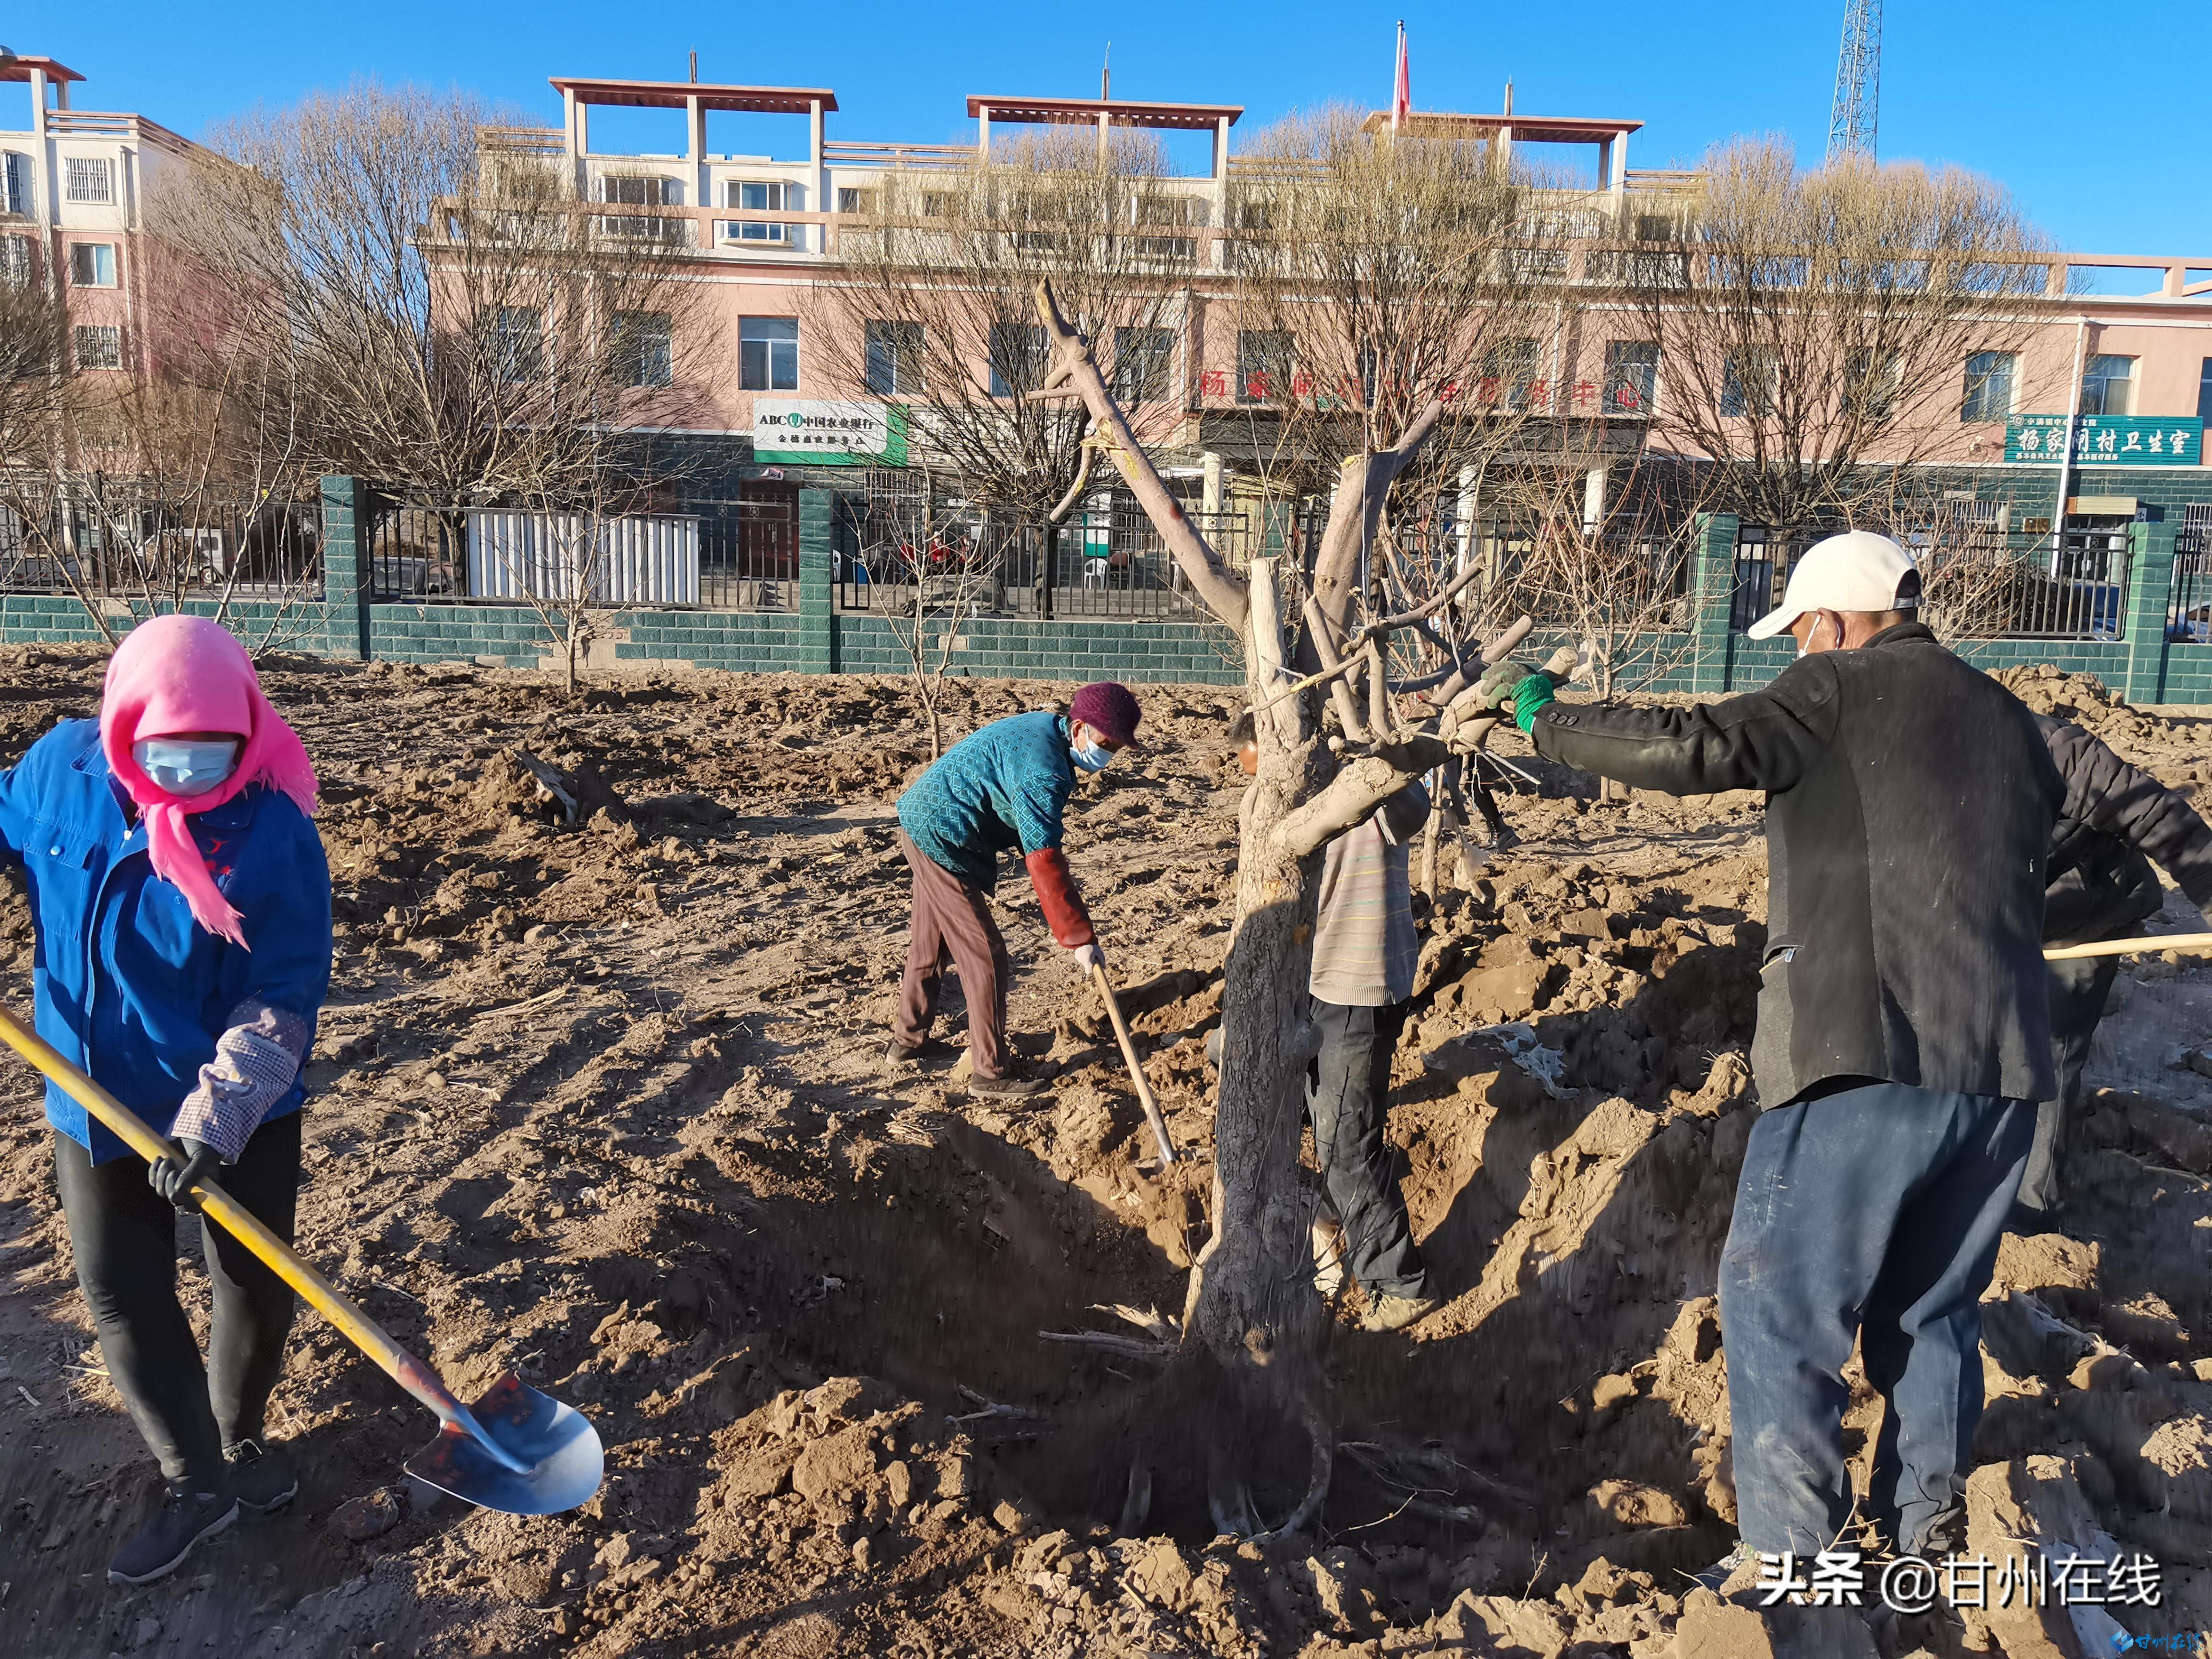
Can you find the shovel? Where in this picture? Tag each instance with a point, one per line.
(515, 1450)
(1136, 1069)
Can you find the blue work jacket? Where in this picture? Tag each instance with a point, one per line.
(129, 986)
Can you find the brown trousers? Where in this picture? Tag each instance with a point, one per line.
(952, 919)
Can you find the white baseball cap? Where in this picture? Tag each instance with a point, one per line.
(1857, 570)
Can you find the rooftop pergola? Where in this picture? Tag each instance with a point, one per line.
(41, 73)
(1105, 113)
(1506, 129)
(694, 98)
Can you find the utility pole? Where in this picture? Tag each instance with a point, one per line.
(1852, 116)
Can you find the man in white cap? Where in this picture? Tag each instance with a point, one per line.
(1903, 1038)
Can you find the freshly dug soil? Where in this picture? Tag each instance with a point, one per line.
(600, 1096)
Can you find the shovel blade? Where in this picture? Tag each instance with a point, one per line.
(556, 1446)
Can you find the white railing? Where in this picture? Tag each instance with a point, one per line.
(626, 559)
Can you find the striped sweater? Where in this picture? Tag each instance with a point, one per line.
(1365, 948)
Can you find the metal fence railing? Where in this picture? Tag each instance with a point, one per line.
(1105, 563)
(136, 541)
(1982, 580)
(2188, 618)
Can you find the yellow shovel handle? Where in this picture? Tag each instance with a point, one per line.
(2195, 944)
(318, 1291)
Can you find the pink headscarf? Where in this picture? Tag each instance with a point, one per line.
(177, 674)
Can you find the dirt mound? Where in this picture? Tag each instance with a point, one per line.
(598, 1095)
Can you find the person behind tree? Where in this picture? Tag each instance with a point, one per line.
(181, 905)
(1361, 986)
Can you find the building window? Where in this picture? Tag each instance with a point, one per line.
(90, 179)
(856, 200)
(1632, 377)
(768, 354)
(99, 346)
(2204, 392)
(1747, 384)
(1870, 384)
(1263, 366)
(92, 264)
(644, 348)
(1509, 375)
(2108, 386)
(1988, 386)
(764, 195)
(630, 190)
(1143, 360)
(518, 344)
(894, 359)
(14, 261)
(15, 183)
(1018, 354)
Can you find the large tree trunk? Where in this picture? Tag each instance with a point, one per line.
(1252, 1301)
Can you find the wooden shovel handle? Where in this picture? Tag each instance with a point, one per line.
(2195, 944)
(1136, 1070)
(333, 1303)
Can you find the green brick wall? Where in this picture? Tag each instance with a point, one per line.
(817, 638)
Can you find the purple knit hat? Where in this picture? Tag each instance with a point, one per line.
(1110, 710)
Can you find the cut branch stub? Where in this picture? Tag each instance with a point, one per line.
(1216, 585)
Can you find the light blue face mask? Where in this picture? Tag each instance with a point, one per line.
(1090, 756)
(186, 766)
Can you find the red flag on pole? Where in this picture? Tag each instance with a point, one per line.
(1401, 86)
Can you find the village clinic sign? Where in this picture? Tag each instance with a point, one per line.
(2107, 440)
(809, 432)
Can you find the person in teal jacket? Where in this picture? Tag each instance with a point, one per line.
(180, 903)
(1003, 789)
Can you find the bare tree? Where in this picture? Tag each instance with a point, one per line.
(463, 329)
(927, 569)
(1253, 1321)
(175, 470)
(1813, 328)
(932, 306)
(33, 361)
(1600, 551)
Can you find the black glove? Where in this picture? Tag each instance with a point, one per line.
(175, 1181)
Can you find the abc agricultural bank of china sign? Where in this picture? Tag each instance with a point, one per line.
(809, 431)
(2107, 440)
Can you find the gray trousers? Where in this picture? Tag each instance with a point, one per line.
(2078, 989)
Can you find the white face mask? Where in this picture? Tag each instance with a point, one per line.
(1804, 645)
(1091, 755)
(186, 766)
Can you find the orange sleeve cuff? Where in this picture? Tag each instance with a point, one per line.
(1057, 895)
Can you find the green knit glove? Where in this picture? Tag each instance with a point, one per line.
(1529, 698)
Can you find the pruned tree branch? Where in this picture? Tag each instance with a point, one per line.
(1217, 587)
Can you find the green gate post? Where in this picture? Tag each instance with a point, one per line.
(818, 614)
(1713, 577)
(349, 571)
(2149, 600)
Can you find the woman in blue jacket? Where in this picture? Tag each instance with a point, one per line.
(181, 905)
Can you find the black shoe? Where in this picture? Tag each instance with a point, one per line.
(1727, 1567)
(1396, 1313)
(1019, 1083)
(259, 1481)
(897, 1054)
(158, 1548)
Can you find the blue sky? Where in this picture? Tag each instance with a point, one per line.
(2091, 114)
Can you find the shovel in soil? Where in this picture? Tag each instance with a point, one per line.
(1136, 1067)
(515, 1450)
